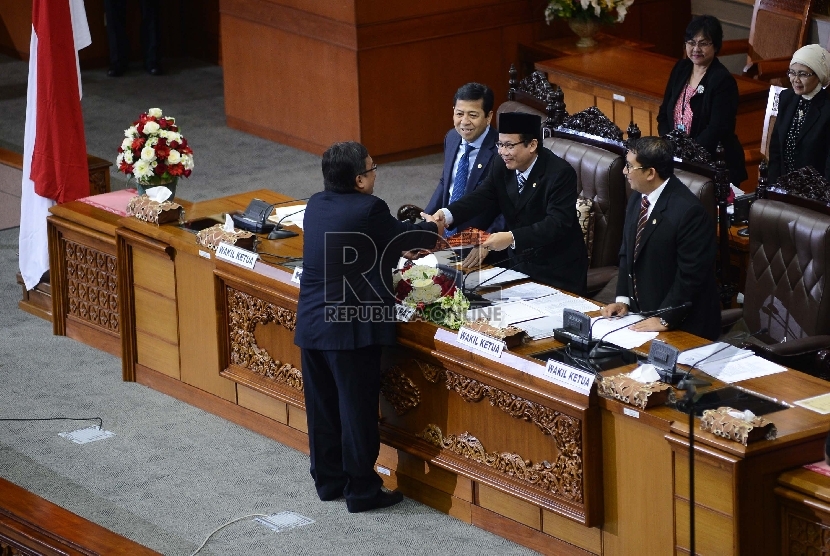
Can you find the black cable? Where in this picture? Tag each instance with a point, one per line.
(100, 421)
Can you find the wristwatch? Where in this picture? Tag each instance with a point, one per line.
(663, 322)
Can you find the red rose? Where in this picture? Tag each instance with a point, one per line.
(447, 285)
(174, 144)
(163, 123)
(160, 169)
(421, 305)
(187, 173)
(402, 290)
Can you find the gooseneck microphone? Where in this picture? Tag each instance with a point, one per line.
(281, 233)
(689, 383)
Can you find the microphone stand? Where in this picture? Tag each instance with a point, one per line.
(281, 233)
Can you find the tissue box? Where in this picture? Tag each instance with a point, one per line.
(144, 208)
(720, 423)
(639, 394)
(510, 335)
(213, 236)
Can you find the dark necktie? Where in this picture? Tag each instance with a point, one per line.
(641, 225)
(522, 181)
(459, 185)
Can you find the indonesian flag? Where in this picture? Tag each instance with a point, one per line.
(54, 148)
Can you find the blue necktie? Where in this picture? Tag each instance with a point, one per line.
(522, 181)
(459, 186)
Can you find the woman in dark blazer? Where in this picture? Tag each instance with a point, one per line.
(801, 136)
(701, 96)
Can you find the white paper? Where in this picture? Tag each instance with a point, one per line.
(553, 305)
(288, 214)
(228, 227)
(541, 328)
(528, 290)
(158, 193)
(711, 353)
(624, 338)
(489, 278)
(743, 368)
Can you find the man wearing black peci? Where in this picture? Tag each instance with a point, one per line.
(669, 247)
(535, 190)
(344, 316)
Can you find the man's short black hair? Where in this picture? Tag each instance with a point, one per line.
(654, 152)
(710, 26)
(342, 162)
(476, 91)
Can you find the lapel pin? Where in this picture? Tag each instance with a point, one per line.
(479, 165)
(534, 185)
(654, 221)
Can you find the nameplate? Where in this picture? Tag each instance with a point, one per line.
(480, 342)
(619, 98)
(298, 271)
(236, 255)
(569, 377)
(404, 313)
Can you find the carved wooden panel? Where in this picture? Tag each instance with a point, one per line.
(399, 390)
(10, 550)
(245, 312)
(806, 537)
(92, 286)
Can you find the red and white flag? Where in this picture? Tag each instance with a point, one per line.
(54, 147)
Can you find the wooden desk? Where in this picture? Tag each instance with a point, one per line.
(804, 504)
(474, 437)
(628, 86)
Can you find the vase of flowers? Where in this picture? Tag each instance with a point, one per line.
(154, 152)
(432, 294)
(585, 16)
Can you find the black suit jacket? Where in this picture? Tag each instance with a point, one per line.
(484, 158)
(813, 141)
(351, 243)
(549, 243)
(714, 113)
(676, 262)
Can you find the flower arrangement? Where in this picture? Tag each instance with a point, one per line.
(153, 151)
(433, 294)
(606, 11)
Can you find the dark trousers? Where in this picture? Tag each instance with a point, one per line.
(342, 389)
(119, 44)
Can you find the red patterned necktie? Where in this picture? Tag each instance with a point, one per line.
(641, 225)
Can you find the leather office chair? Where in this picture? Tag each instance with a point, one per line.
(789, 260)
(778, 29)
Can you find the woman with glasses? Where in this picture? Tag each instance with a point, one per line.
(801, 136)
(701, 96)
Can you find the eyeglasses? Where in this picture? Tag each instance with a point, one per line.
(800, 74)
(509, 146)
(628, 167)
(374, 168)
(699, 44)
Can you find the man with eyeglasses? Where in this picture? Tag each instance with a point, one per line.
(344, 316)
(469, 150)
(535, 190)
(667, 257)
(801, 135)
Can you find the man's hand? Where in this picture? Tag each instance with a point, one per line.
(648, 325)
(438, 218)
(614, 310)
(474, 258)
(415, 254)
(498, 241)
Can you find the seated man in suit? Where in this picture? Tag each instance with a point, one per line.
(667, 258)
(344, 315)
(535, 190)
(470, 147)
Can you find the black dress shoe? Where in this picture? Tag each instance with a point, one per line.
(331, 493)
(115, 71)
(380, 500)
(155, 70)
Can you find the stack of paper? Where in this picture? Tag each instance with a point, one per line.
(492, 277)
(289, 215)
(615, 331)
(728, 363)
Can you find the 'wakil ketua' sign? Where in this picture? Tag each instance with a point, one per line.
(480, 342)
(569, 377)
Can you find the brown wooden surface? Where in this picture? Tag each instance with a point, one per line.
(31, 525)
(804, 504)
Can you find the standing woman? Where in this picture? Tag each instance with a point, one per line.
(801, 136)
(701, 96)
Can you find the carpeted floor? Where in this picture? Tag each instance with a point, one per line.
(173, 473)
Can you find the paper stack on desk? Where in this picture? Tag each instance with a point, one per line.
(624, 337)
(288, 214)
(731, 364)
(492, 277)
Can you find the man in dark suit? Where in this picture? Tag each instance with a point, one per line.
(345, 314)
(471, 147)
(535, 190)
(672, 263)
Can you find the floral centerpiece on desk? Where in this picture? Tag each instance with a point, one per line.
(585, 16)
(153, 152)
(432, 294)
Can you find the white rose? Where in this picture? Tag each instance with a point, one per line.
(154, 112)
(174, 158)
(126, 143)
(148, 154)
(150, 128)
(131, 132)
(187, 161)
(128, 157)
(174, 136)
(142, 169)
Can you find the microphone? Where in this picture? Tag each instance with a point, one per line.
(281, 233)
(593, 351)
(688, 383)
